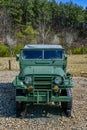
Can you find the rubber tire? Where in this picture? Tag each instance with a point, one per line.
(20, 106)
(67, 106)
(18, 109)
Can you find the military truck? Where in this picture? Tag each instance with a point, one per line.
(43, 78)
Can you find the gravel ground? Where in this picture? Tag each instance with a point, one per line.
(55, 119)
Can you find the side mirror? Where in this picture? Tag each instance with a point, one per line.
(68, 74)
(17, 57)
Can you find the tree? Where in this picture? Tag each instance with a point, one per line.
(46, 17)
(54, 15)
(29, 34)
(27, 15)
(42, 13)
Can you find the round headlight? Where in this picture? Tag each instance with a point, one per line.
(58, 80)
(28, 80)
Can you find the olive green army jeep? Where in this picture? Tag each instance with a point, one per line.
(43, 78)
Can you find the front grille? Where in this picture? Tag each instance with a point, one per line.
(42, 82)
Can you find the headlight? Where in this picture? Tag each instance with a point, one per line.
(58, 80)
(28, 80)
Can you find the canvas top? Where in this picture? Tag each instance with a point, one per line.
(42, 46)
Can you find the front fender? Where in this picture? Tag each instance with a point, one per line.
(18, 83)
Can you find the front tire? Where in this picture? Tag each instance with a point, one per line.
(20, 106)
(67, 106)
(18, 109)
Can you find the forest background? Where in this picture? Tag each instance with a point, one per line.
(42, 22)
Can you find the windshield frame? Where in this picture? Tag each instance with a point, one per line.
(43, 50)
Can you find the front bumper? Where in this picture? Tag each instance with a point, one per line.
(40, 99)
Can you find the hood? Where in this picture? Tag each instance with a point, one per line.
(42, 70)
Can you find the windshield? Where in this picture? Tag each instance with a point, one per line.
(32, 54)
(42, 54)
(53, 54)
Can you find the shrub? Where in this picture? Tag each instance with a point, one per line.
(4, 51)
(77, 51)
(17, 49)
(85, 50)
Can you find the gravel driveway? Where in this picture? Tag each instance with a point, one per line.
(55, 119)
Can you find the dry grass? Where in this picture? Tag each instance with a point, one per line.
(76, 64)
(4, 63)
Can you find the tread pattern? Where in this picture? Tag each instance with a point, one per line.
(67, 106)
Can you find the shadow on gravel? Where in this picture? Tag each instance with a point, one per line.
(7, 100)
(38, 111)
(8, 105)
